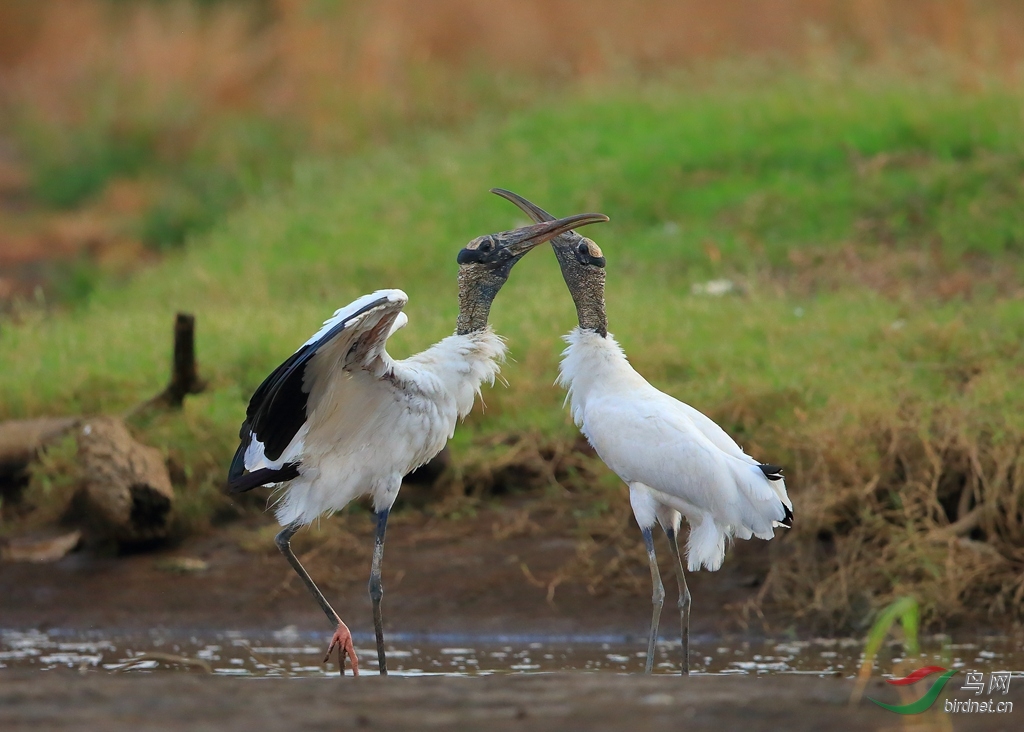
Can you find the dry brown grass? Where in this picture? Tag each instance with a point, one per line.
(166, 55)
(904, 504)
(325, 66)
(934, 510)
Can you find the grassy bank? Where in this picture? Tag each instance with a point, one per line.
(871, 228)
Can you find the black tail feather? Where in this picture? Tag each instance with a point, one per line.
(237, 469)
(263, 476)
(774, 472)
(788, 519)
(238, 461)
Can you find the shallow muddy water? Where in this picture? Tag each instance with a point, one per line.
(298, 653)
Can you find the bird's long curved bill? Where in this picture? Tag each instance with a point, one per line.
(526, 238)
(531, 209)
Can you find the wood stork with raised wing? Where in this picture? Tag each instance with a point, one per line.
(341, 419)
(675, 460)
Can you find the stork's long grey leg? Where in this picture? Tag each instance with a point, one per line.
(284, 543)
(684, 599)
(377, 590)
(657, 599)
(342, 637)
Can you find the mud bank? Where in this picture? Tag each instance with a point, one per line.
(59, 701)
(433, 583)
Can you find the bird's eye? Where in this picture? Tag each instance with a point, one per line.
(486, 245)
(583, 249)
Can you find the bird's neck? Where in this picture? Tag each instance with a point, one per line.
(588, 294)
(475, 297)
(585, 284)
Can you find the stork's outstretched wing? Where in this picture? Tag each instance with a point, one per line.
(353, 338)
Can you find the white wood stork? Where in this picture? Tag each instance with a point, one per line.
(675, 460)
(342, 419)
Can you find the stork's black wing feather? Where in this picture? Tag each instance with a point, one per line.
(788, 519)
(238, 461)
(277, 409)
(263, 476)
(773, 473)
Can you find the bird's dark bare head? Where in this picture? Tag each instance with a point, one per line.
(582, 263)
(486, 262)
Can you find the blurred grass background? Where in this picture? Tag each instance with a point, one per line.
(853, 169)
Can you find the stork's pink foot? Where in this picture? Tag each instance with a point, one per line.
(343, 641)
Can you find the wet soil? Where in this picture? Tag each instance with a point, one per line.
(439, 577)
(58, 701)
(232, 611)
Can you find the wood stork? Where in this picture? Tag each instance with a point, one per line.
(675, 460)
(341, 419)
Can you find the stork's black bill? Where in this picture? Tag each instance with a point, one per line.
(535, 211)
(771, 472)
(262, 477)
(503, 248)
(525, 238)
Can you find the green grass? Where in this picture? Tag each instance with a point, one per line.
(757, 171)
(200, 173)
(701, 180)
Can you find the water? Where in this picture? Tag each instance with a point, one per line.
(298, 654)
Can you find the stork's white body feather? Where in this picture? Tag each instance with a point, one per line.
(673, 458)
(372, 419)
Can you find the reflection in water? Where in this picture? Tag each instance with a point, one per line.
(294, 653)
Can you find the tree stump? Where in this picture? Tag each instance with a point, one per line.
(184, 372)
(21, 439)
(20, 442)
(185, 378)
(127, 494)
